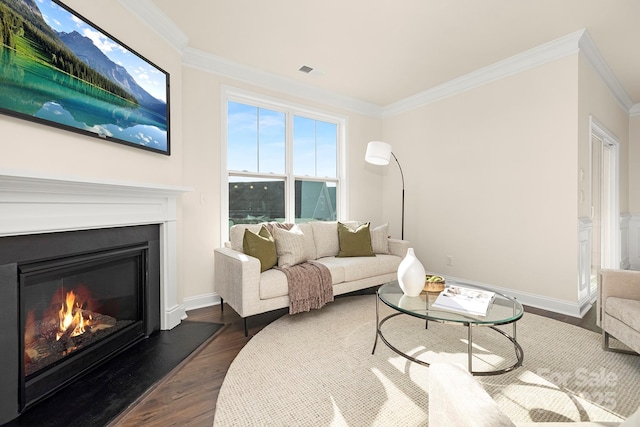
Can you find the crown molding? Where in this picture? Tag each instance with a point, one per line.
(591, 52)
(577, 42)
(214, 64)
(150, 14)
(532, 58)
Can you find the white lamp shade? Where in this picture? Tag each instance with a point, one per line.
(378, 153)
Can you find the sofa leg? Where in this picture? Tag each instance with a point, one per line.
(221, 304)
(605, 345)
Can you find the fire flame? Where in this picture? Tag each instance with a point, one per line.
(70, 316)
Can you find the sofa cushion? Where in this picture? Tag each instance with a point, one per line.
(625, 310)
(309, 242)
(261, 246)
(380, 239)
(325, 235)
(236, 235)
(356, 268)
(290, 246)
(273, 284)
(336, 268)
(354, 242)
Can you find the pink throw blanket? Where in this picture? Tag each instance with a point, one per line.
(309, 283)
(309, 286)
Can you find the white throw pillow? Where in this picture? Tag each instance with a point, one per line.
(290, 246)
(380, 239)
(633, 420)
(309, 243)
(325, 234)
(236, 234)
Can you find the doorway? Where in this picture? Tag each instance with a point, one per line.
(605, 238)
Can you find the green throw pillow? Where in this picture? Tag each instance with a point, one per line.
(354, 242)
(261, 246)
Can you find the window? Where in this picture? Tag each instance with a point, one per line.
(283, 163)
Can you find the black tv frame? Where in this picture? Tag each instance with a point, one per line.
(98, 130)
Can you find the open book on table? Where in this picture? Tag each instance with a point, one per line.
(464, 300)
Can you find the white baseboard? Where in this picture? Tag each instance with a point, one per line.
(201, 301)
(173, 317)
(574, 309)
(634, 242)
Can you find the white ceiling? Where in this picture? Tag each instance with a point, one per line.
(381, 51)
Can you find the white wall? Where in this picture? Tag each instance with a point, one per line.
(597, 101)
(491, 174)
(203, 172)
(634, 161)
(30, 146)
(491, 181)
(195, 149)
(634, 192)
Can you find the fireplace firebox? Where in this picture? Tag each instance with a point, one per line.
(71, 301)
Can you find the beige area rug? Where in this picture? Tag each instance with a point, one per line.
(316, 369)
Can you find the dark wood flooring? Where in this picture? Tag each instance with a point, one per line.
(187, 397)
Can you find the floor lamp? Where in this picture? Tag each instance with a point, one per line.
(379, 153)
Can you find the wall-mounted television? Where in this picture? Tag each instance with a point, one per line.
(59, 69)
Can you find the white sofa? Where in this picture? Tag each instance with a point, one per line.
(242, 286)
(457, 399)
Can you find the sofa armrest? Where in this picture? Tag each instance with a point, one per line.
(616, 283)
(457, 399)
(620, 283)
(237, 279)
(398, 247)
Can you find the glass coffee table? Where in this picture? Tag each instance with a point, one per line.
(502, 311)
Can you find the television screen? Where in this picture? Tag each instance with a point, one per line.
(57, 68)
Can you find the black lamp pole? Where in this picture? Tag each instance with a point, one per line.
(402, 176)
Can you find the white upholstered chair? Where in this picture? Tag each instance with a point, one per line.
(456, 399)
(619, 308)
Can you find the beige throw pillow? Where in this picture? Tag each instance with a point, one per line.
(354, 242)
(261, 246)
(380, 239)
(325, 234)
(236, 235)
(290, 246)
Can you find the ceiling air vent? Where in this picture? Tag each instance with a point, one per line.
(306, 69)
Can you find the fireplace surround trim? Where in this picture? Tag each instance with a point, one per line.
(32, 203)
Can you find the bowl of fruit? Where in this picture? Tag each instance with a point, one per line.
(433, 283)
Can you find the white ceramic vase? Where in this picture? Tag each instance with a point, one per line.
(411, 274)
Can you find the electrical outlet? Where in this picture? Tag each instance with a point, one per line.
(450, 260)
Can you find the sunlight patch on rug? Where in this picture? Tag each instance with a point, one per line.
(397, 405)
(316, 368)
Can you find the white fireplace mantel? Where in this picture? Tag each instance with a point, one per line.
(32, 203)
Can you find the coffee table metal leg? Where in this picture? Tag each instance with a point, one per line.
(518, 349)
(469, 348)
(426, 321)
(375, 343)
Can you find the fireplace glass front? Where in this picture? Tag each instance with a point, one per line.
(77, 311)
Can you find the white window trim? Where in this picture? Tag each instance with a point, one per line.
(230, 93)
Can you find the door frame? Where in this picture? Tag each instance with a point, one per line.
(610, 141)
